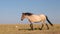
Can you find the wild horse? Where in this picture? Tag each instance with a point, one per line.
(36, 18)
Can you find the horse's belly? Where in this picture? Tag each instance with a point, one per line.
(35, 20)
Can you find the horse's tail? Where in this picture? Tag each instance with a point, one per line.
(49, 21)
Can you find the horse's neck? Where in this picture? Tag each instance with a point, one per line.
(33, 16)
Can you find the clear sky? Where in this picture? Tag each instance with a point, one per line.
(10, 10)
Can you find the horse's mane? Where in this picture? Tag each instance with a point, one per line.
(29, 14)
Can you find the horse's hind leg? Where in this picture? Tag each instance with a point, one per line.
(47, 26)
(41, 26)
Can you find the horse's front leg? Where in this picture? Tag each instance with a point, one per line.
(31, 25)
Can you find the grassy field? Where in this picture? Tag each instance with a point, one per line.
(25, 29)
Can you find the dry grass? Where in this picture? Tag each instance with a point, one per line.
(25, 29)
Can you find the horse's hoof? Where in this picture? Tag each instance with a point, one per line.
(48, 29)
(40, 28)
(31, 28)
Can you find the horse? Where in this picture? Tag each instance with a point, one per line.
(32, 18)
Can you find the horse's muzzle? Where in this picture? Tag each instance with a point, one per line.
(21, 19)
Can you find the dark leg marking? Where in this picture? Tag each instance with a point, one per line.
(47, 26)
(31, 25)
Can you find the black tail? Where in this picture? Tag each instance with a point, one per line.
(49, 21)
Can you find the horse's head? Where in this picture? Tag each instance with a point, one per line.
(25, 15)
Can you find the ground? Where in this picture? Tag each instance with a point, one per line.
(25, 29)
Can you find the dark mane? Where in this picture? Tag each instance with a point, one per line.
(29, 14)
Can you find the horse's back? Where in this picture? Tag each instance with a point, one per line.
(43, 17)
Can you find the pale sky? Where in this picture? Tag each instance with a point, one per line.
(11, 10)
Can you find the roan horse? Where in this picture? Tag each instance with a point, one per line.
(36, 18)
